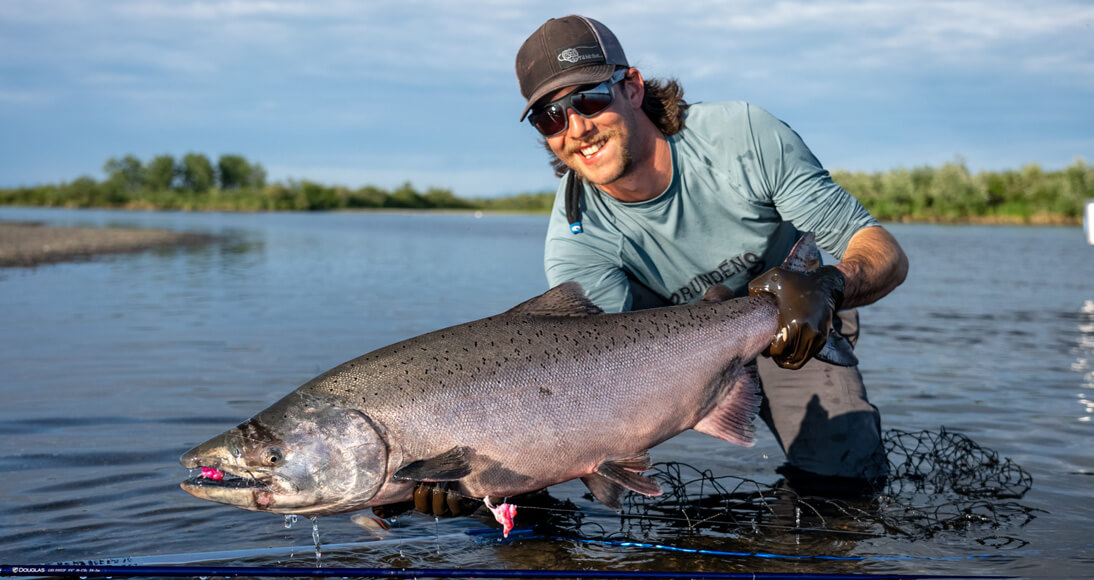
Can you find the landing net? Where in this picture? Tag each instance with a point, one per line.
(939, 482)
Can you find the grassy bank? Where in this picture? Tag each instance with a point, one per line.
(950, 193)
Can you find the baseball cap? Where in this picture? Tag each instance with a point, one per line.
(563, 52)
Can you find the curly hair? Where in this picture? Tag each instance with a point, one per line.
(663, 103)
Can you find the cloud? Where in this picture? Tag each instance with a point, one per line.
(434, 76)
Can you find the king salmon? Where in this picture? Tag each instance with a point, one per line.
(549, 391)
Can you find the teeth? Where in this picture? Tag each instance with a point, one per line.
(591, 149)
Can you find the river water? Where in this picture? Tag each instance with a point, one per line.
(111, 368)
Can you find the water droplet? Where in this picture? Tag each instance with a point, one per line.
(315, 538)
(290, 521)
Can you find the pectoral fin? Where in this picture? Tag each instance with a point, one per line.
(448, 466)
(614, 477)
(731, 418)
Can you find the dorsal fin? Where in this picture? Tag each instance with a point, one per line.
(804, 256)
(566, 299)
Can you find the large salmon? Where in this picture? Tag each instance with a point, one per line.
(550, 391)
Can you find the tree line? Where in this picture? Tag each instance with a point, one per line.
(193, 173)
(950, 193)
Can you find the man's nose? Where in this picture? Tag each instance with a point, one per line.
(578, 125)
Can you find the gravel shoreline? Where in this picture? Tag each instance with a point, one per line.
(31, 244)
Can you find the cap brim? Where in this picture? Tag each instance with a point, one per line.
(569, 78)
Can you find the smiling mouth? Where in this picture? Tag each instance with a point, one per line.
(589, 150)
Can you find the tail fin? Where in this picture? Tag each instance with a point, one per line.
(803, 257)
(838, 351)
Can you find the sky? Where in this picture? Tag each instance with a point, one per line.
(382, 93)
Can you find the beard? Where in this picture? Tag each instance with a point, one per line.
(610, 169)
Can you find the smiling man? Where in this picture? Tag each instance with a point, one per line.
(662, 202)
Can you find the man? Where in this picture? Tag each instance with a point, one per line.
(665, 203)
(661, 201)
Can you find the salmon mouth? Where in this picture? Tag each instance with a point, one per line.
(212, 477)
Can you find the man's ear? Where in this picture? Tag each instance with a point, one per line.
(634, 88)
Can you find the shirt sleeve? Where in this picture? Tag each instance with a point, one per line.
(590, 258)
(802, 190)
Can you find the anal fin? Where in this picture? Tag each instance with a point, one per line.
(448, 466)
(731, 418)
(614, 477)
(605, 490)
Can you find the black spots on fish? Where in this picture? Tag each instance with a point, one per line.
(545, 391)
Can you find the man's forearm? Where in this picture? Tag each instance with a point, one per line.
(873, 265)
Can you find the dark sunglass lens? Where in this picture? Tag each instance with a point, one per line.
(591, 103)
(549, 121)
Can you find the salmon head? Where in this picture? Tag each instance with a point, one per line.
(300, 456)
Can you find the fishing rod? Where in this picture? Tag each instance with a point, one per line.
(236, 571)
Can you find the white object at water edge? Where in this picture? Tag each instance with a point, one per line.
(1088, 221)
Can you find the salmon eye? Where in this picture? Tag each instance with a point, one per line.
(273, 456)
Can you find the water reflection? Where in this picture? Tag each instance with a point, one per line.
(1084, 364)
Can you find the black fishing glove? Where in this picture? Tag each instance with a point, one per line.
(806, 302)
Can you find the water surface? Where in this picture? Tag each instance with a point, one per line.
(111, 368)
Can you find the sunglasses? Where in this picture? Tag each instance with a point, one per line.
(551, 119)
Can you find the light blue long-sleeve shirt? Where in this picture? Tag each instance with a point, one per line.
(743, 186)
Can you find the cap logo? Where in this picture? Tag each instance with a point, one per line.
(580, 55)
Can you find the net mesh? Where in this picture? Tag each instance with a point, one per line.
(939, 481)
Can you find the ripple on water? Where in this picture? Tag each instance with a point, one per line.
(105, 387)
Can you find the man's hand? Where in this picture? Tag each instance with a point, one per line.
(433, 499)
(806, 303)
(442, 499)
